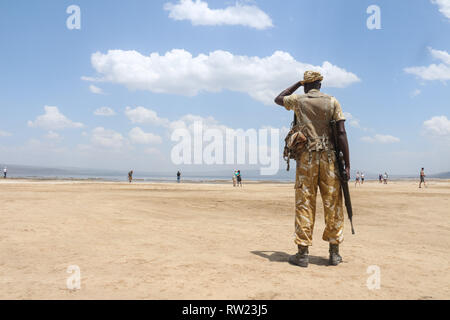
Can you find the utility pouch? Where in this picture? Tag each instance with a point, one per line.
(295, 142)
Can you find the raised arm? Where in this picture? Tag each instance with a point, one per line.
(343, 145)
(287, 92)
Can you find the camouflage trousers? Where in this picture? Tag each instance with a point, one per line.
(318, 170)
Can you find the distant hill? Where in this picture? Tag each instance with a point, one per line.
(443, 175)
(16, 171)
(36, 171)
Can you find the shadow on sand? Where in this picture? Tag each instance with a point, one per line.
(277, 256)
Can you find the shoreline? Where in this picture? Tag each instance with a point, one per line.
(185, 181)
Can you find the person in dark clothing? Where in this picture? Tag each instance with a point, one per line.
(239, 179)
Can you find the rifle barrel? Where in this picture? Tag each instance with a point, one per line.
(342, 175)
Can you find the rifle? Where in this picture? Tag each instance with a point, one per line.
(342, 174)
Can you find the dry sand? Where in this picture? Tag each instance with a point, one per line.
(213, 241)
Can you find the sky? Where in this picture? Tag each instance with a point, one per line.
(109, 94)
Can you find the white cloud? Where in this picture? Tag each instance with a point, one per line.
(47, 147)
(444, 7)
(95, 89)
(438, 126)
(188, 121)
(105, 138)
(380, 138)
(5, 134)
(178, 72)
(104, 112)
(145, 116)
(354, 122)
(283, 130)
(152, 151)
(434, 71)
(415, 93)
(199, 13)
(53, 135)
(440, 55)
(53, 120)
(138, 136)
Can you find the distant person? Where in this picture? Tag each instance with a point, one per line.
(385, 178)
(380, 178)
(362, 177)
(178, 176)
(5, 172)
(357, 179)
(234, 178)
(130, 176)
(422, 178)
(239, 178)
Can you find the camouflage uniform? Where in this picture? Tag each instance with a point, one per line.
(317, 167)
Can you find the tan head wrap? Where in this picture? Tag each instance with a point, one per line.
(312, 76)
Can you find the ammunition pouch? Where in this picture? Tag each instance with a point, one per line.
(295, 143)
(321, 143)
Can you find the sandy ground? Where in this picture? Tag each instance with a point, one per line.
(213, 241)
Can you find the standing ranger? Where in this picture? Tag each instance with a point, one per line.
(317, 166)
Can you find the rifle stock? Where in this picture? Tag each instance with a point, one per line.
(342, 174)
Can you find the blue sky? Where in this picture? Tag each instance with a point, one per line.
(399, 117)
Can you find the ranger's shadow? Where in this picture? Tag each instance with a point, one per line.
(277, 256)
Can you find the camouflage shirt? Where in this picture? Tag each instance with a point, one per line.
(314, 111)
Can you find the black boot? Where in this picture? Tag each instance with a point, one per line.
(335, 258)
(301, 258)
